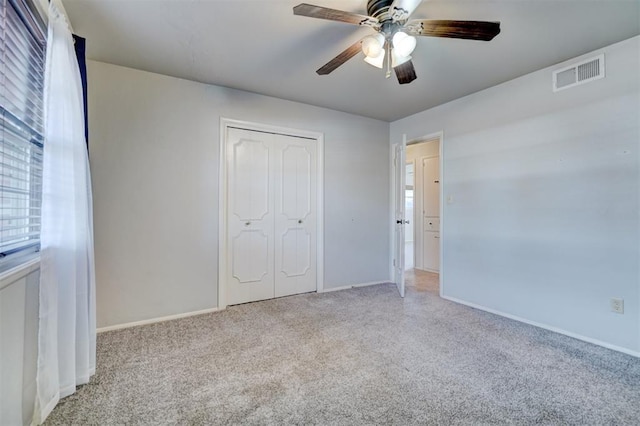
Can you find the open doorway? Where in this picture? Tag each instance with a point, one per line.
(423, 213)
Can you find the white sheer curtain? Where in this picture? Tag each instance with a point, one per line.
(67, 331)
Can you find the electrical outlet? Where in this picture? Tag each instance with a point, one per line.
(617, 305)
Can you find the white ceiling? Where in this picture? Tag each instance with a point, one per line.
(260, 46)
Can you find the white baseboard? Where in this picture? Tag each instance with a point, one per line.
(156, 320)
(546, 327)
(347, 287)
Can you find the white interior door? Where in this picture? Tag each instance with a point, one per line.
(271, 216)
(295, 205)
(399, 160)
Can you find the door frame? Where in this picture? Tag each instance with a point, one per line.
(225, 124)
(428, 137)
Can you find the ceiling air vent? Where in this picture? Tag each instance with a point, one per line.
(579, 73)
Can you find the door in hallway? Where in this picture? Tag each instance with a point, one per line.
(431, 214)
(271, 215)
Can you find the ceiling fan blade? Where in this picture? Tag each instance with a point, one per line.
(471, 30)
(406, 73)
(343, 57)
(320, 12)
(401, 10)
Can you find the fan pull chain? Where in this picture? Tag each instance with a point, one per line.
(388, 75)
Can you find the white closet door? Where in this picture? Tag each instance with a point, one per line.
(431, 174)
(250, 216)
(431, 219)
(271, 214)
(295, 215)
(432, 251)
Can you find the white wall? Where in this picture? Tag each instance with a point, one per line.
(18, 343)
(544, 224)
(154, 146)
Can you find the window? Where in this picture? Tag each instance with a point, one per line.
(22, 57)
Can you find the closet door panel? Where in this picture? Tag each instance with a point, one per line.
(431, 187)
(295, 225)
(250, 215)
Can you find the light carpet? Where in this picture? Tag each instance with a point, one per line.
(359, 356)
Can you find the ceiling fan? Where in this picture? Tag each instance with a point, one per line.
(394, 39)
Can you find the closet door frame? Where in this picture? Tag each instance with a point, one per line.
(225, 124)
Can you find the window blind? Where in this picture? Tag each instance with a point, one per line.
(22, 57)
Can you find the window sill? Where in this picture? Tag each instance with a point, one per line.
(28, 264)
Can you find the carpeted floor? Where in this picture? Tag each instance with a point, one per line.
(360, 356)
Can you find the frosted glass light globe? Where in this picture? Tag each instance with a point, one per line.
(372, 45)
(403, 44)
(397, 59)
(377, 61)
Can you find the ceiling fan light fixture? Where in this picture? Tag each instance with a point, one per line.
(403, 44)
(372, 45)
(394, 41)
(377, 61)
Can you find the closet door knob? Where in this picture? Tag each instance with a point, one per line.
(299, 220)
(247, 223)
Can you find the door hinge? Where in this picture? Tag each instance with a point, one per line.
(394, 262)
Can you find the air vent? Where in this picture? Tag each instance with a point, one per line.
(579, 73)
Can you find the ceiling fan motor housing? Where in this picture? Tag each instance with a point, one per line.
(379, 9)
